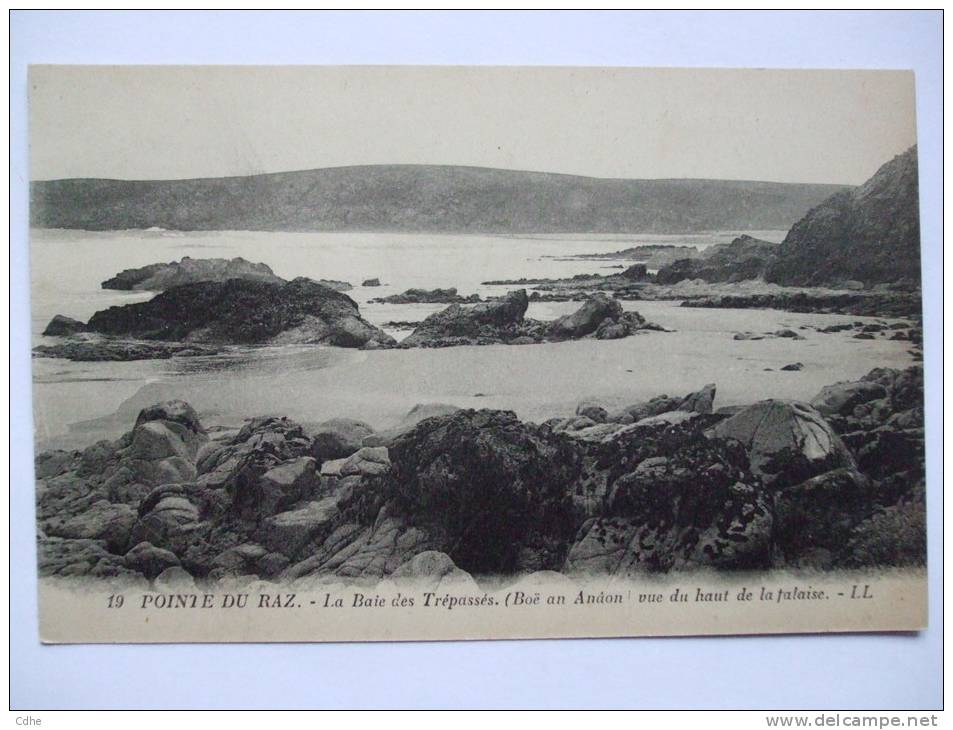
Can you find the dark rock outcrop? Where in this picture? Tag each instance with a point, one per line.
(587, 319)
(159, 277)
(503, 321)
(244, 312)
(427, 296)
(861, 304)
(661, 486)
(90, 347)
(61, 326)
(335, 284)
(485, 486)
(869, 234)
(744, 258)
(679, 501)
(484, 323)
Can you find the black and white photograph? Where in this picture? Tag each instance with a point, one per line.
(351, 353)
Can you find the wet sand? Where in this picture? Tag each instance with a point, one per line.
(535, 381)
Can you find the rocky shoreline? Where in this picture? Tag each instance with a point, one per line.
(884, 301)
(204, 317)
(670, 484)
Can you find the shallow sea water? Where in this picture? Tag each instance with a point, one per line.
(77, 403)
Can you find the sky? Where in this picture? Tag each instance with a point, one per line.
(169, 122)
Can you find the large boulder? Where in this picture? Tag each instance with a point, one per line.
(284, 484)
(168, 519)
(701, 401)
(483, 484)
(587, 318)
(638, 411)
(239, 311)
(787, 441)
(814, 520)
(150, 560)
(288, 532)
(103, 520)
(469, 324)
(338, 438)
(678, 501)
(175, 411)
(368, 461)
(237, 465)
(841, 399)
(153, 441)
(159, 452)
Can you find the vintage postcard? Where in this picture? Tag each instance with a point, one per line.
(420, 353)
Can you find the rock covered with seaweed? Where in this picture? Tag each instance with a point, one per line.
(669, 484)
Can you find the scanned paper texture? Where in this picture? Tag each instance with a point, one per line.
(425, 353)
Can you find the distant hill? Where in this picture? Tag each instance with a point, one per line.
(423, 198)
(869, 234)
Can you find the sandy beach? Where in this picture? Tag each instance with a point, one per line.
(536, 381)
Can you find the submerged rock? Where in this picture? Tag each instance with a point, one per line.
(89, 347)
(426, 296)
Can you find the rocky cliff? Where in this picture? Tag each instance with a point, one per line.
(869, 234)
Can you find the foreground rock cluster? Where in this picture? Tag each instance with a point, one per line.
(667, 484)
